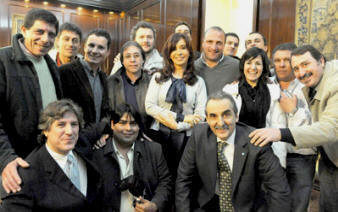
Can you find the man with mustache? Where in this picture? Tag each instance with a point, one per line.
(221, 171)
(68, 43)
(28, 82)
(215, 68)
(300, 163)
(320, 80)
(84, 82)
(144, 34)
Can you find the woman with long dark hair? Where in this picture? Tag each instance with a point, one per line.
(257, 97)
(176, 97)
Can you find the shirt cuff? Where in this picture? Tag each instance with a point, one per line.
(287, 136)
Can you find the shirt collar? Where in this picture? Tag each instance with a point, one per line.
(205, 63)
(116, 151)
(124, 75)
(230, 140)
(87, 68)
(57, 156)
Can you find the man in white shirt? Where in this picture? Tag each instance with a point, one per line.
(59, 176)
(201, 173)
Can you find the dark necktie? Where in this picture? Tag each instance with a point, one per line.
(225, 186)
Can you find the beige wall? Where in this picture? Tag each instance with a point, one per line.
(232, 16)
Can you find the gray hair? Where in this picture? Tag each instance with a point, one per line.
(219, 95)
(56, 110)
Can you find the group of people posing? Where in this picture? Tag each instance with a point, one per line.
(174, 131)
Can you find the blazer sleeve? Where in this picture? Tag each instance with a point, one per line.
(274, 180)
(7, 153)
(185, 175)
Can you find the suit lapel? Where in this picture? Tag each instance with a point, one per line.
(240, 155)
(211, 157)
(56, 174)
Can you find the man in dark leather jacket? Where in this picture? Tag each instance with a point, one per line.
(28, 82)
(132, 167)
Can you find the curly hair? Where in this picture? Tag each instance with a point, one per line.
(189, 76)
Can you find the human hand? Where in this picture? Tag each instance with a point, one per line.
(262, 137)
(288, 104)
(167, 120)
(102, 142)
(10, 178)
(192, 119)
(117, 58)
(143, 205)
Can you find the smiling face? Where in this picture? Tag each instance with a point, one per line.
(68, 43)
(253, 69)
(96, 50)
(221, 117)
(62, 135)
(255, 39)
(307, 69)
(126, 130)
(132, 59)
(213, 45)
(145, 37)
(180, 55)
(231, 45)
(281, 61)
(39, 38)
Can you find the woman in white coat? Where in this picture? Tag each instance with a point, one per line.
(176, 98)
(257, 97)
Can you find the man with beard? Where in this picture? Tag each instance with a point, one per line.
(144, 34)
(84, 82)
(321, 92)
(215, 68)
(28, 82)
(135, 173)
(221, 171)
(68, 43)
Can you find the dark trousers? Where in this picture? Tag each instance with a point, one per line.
(300, 170)
(328, 179)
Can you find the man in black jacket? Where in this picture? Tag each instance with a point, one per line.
(28, 82)
(84, 82)
(132, 167)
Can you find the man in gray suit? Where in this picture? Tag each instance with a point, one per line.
(200, 183)
(321, 92)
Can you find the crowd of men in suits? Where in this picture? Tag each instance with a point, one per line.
(73, 139)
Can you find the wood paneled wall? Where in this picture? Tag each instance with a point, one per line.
(163, 14)
(275, 19)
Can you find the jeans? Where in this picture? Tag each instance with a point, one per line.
(300, 170)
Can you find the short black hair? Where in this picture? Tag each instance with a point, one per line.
(315, 53)
(219, 95)
(231, 34)
(67, 26)
(264, 38)
(122, 109)
(100, 33)
(284, 46)
(253, 53)
(128, 44)
(142, 24)
(42, 15)
(185, 24)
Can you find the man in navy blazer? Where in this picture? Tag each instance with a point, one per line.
(48, 184)
(197, 184)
